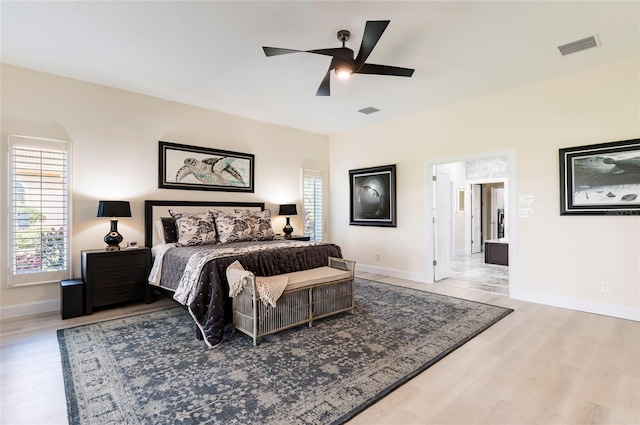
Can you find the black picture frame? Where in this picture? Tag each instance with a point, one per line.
(373, 196)
(198, 168)
(601, 179)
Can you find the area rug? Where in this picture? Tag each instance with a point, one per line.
(150, 369)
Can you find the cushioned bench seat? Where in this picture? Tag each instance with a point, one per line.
(315, 276)
(309, 295)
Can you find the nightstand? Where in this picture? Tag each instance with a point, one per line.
(113, 277)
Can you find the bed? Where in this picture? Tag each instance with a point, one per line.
(195, 275)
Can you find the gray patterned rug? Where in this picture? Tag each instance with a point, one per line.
(150, 369)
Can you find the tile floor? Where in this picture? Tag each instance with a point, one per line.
(470, 271)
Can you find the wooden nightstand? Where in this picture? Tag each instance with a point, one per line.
(114, 276)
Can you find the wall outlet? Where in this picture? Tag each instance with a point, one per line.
(604, 286)
(377, 257)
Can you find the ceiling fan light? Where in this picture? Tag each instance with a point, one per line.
(343, 73)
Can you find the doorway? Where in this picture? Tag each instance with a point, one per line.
(488, 206)
(481, 186)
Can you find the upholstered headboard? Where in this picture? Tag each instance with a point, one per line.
(154, 210)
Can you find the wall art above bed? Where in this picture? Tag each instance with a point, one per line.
(198, 168)
(601, 179)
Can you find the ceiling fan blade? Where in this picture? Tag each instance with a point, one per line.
(372, 32)
(325, 85)
(275, 51)
(339, 52)
(370, 68)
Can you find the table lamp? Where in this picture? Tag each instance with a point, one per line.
(113, 209)
(288, 210)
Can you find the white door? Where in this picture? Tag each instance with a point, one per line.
(476, 218)
(442, 224)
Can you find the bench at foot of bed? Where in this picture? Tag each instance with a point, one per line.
(310, 294)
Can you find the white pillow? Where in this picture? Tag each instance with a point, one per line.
(159, 230)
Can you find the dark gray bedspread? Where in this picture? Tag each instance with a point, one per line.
(212, 305)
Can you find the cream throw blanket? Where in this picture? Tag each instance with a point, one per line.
(269, 288)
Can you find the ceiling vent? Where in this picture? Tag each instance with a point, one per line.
(369, 110)
(577, 46)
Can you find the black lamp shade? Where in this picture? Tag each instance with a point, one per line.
(288, 209)
(114, 209)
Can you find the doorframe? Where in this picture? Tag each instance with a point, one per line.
(512, 208)
(470, 234)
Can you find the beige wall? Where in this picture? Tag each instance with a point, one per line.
(559, 260)
(115, 137)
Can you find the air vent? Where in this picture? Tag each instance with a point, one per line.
(577, 46)
(369, 110)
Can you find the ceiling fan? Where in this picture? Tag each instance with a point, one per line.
(343, 61)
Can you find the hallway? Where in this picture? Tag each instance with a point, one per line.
(470, 271)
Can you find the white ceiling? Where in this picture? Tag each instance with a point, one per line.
(209, 53)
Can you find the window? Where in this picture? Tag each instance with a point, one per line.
(39, 201)
(312, 200)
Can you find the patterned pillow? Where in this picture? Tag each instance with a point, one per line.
(195, 228)
(232, 227)
(260, 222)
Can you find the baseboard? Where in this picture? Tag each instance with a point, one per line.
(523, 295)
(575, 304)
(27, 309)
(401, 274)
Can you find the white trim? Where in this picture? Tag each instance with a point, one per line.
(21, 280)
(307, 172)
(400, 274)
(27, 309)
(576, 304)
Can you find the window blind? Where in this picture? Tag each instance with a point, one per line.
(312, 203)
(39, 210)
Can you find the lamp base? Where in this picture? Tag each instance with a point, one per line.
(288, 230)
(113, 238)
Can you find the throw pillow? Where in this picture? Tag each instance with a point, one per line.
(232, 227)
(194, 228)
(169, 230)
(260, 223)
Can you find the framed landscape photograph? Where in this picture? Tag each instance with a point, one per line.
(373, 196)
(198, 168)
(602, 179)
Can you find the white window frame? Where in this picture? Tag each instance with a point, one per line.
(37, 277)
(315, 174)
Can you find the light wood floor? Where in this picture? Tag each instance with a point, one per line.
(539, 365)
